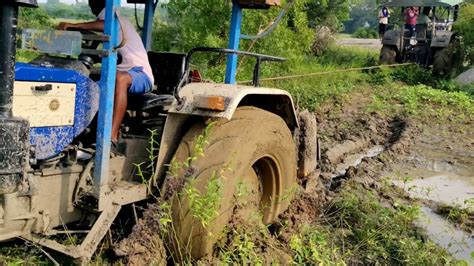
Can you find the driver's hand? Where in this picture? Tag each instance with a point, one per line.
(63, 26)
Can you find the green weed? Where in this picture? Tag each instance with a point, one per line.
(314, 246)
(378, 234)
(243, 251)
(146, 170)
(204, 206)
(422, 101)
(458, 214)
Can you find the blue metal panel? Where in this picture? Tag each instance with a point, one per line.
(50, 141)
(234, 40)
(107, 89)
(27, 72)
(148, 24)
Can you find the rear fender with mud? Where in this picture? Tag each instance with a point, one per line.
(392, 38)
(442, 39)
(228, 97)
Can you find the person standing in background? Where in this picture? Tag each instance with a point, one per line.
(384, 14)
(411, 14)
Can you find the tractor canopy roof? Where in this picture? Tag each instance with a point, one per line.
(402, 3)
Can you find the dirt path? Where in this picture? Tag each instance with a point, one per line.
(362, 43)
(433, 163)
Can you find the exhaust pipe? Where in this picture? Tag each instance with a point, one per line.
(14, 132)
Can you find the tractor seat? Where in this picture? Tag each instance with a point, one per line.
(167, 68)
(148, 101)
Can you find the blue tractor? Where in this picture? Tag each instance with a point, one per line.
(56, 168)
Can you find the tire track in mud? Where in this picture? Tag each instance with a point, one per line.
(374, 143)
(441, 153)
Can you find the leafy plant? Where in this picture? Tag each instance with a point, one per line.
(464, 27)
(204, 206)
(373, 233)
(146, 170)
(366, 33)
(314, 246)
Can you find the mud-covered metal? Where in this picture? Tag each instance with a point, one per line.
(273, 100)
(13, 131)
(13, 153)
(392, 38)
(8, 25)
(50, 141)
(236, 94)
(442, 39)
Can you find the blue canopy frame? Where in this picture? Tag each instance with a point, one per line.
(109, 69)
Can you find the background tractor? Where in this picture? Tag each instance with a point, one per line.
(57, 175)
(436, 45)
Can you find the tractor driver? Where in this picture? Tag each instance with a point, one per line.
(134, 74)
(423, 24)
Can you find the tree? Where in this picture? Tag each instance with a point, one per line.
(193, 23)
(330, 13)
(464, 26)
(34, 18)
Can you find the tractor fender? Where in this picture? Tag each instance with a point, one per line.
(392, 38)
(233, 96)
(196, 95)
(442, 39)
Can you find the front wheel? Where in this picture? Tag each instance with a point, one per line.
(251, 154)
(388, 55)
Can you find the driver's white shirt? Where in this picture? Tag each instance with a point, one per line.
(133, 52)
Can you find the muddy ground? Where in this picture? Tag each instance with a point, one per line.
(431, 164)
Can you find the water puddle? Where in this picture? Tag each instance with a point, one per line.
(443, 181)
(447, 188)
(356, 159)
(455, 241)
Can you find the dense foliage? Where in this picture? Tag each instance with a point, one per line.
(206, 23)
(35, 18)
(61, 10)
(329, 13)
(465, 27)
(366, 33)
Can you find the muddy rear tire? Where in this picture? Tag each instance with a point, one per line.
(255, 148)
(446, 61)
(388, 55)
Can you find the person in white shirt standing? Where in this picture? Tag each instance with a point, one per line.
(134, 74)
(384, 14)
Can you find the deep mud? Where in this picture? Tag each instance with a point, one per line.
(368, 149)
(144, 246)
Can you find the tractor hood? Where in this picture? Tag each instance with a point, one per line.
(402, 3)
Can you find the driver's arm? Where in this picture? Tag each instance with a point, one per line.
(97, 25)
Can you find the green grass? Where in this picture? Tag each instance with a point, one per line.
(18, 253)
(422, 101)
(372, 233)
(25, 56)
(459, 215)
(355, 229)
